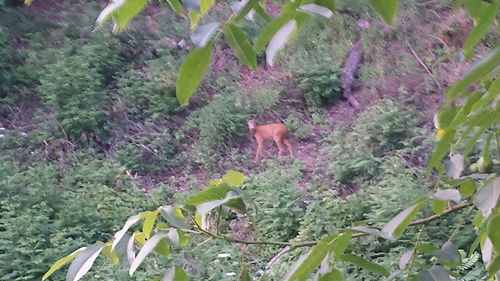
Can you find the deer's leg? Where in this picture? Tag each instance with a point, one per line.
(260, 146)
(289, 145)
(279, 143)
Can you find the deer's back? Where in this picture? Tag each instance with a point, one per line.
(270, 130)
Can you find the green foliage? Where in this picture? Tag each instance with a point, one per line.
(274, 192)
(386, 126)
(321, 85)
(48, 210)
(146, 95)
(295, 123)
(218, 125)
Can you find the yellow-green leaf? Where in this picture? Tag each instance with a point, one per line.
(149, 221)
(386, 9)
(61, 262)
(192, 71)
(239, 43)
(233, 178)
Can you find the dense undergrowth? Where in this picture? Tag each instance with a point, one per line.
(89, 120)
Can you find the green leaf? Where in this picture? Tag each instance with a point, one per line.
(209, 194)
(467, 188)
(176, 6)
(205, 5)
(194, 18)
(426, 248)
(487, 197)
(448, 254)
(242, 8)
(244, 276)
(493, 229)
(386, 9)
(173, 216)
(438, 206)
(273, 27)
(435, 273)
(175, 274)
(149, 221)
(279, 40)
(203, 33)
(447, 194)
(61, 262)
(306, 264)
(83, 262)
(262, 13)
(148, 247)
(487, 251)
(239, 43)
(118, 235)
(192, 70)
(206, 207)
(163, 247)
(494, 267)
(315, 9)
(122, 11)
(405, 259)
(333, 275)
(441, 149)
(110, 254)
(486, 15)
(396, 226)
(365, 264)
(479, 70)
(233, 178)
(341, 244)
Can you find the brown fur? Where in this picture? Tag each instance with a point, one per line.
(274, 131)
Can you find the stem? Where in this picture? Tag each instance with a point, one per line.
(455, 231)
(412, 259)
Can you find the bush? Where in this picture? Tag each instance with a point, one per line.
(322, 85)
(47, 210)
(219, 123)
(275, 191)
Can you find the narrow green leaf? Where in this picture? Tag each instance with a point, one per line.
(477, 71)
(448, 254)
(163, 247)
(493, 229)
(487, 251)
(494, 267)
(438, 206)
(118, 235)
(341, 244)
(365, 264)
(279, 40)
(396, 226)
(148, 247)
(205, 5)
(447, 194)
(315, 9)
(441, 149)
(122, 11)
(487, 197)
(405, 259)
(244, 276)
(149, 221)
(130, 249)
(480, 238)
(467, 188)
(61, 262)
(233, 178)
(176, 6)
(203, 34)
(192, 70)
(83, 262)
(110, 254)
(206, 207)
(426, 248)
(264, 16)
(239, 43)
(273, 27)
(333, 275)
(306, 264)
(487, 12)
(209, 194)
(194, 18)
(386, 9)
(435, 273)
(243, 8)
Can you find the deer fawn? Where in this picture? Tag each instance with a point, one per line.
(274, 131)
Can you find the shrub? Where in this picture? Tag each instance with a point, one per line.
(322, 85)
(219, 123)
(297, 126)
(275, 191)
(261, 100)
(146, 96)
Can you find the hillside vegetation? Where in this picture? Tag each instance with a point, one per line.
(92, 133)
